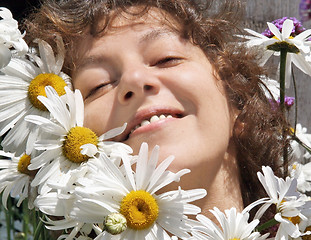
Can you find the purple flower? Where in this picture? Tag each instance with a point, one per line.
(305, 10)
(298, 28)
(288, 101)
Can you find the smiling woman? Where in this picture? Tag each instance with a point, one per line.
(174, 72)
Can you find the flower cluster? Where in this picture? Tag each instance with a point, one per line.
(92, 187)
(296, 30)
(65, 170)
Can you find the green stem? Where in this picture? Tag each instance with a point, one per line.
(34, 220)
(38, 230)
(282, 78)
(296, 100)
(8, 218)
(267, 225)
(282, 105)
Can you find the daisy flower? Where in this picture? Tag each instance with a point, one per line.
(58, 204)
(298, 46)
(15, 178)
(290, 205)
(66, 144)
(234, 225)
(10, 37)
(134, 194)
(23, 81)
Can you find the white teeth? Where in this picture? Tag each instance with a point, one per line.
(162, 116)
(154, 118)
(144, 123)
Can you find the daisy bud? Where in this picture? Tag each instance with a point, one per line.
(115, 223)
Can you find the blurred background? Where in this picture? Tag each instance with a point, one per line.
(258, 13)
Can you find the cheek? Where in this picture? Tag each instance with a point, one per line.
(96, 116)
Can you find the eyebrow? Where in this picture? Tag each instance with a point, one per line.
(153, 35)
(148, 37)
(94, 59)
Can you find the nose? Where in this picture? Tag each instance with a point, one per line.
(137, 82)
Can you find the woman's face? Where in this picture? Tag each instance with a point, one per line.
(163, 87)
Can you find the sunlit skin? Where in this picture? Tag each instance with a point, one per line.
(144, 68)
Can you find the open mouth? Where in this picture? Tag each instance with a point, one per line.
(150, 119)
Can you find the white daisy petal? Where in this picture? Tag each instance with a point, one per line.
(113, 132)
(167, 179)
(287, 28)
(44, 173)
(46, 52)
(89, 150)
(234, 226)
(79, 109)
(21, 68)
(275, 31)
(60, 56)
(46, 124)
(300, 62)
(42, 159)
(142, 166)
(288, 70)
(303, 35)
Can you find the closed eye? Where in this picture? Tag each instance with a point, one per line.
(96, 89)
(168, 62)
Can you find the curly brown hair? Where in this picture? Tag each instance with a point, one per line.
(212, 27)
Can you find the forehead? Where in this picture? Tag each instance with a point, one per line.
(135, 16)
(145, 25)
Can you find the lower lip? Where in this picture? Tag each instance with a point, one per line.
(152, 126)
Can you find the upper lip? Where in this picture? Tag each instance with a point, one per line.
(146, 114)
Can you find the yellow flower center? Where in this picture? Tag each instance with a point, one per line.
(290, 37)
(23, 164)
(295, 220)
(140, 209)
(307, 237)
(37, 88)
(76, 137)
(234, 239)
